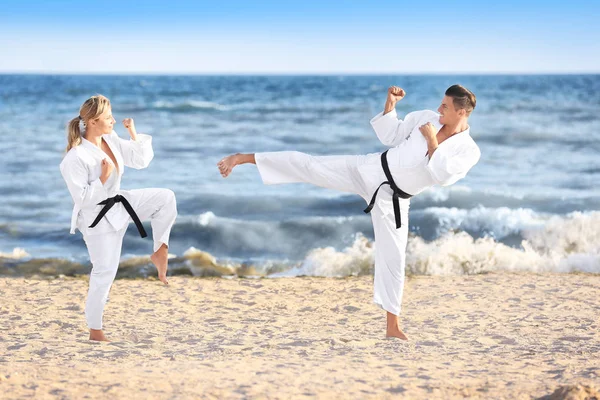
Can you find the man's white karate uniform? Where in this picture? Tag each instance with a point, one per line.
(81, 169)
(411, 169)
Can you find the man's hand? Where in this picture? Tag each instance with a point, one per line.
(394, 95)
(430, 134)
(130, 125)
(428, 131)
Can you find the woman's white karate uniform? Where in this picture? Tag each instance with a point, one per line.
(411, 169)
(81, 169)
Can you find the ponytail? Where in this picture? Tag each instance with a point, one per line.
(73, 133)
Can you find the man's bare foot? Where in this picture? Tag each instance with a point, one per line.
(98, 335)
(396, 333)
(393, 327)
(226, 164)
(160, 258)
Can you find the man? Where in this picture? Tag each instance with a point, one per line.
(427, 148)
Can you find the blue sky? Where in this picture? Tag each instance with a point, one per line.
(300, 37)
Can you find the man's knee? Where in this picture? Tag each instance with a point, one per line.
(168, 195)
(170, 200)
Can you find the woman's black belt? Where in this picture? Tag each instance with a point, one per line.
(110, 202)
(397, 192)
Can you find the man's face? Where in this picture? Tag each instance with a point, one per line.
(448, 114)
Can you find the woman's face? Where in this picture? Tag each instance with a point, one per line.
(105, 122)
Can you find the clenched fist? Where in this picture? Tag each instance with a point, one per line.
(107, 169)
(395, 94)
(128, 123)
(428, 131)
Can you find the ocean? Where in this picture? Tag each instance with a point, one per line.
(530, 204)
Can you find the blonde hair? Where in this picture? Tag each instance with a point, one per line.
(92, 108)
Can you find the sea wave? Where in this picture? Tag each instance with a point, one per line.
(482, 221)
(562, 244)
(188, 105)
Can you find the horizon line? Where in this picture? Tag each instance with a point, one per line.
(294, 73)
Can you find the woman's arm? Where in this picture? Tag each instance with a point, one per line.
(137, 152)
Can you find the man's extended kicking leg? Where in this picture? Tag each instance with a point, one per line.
(332, 172)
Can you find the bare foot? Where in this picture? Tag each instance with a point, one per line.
(226, 164)
(393, 327)
(98, 335)
(160, 258)
(395, 332)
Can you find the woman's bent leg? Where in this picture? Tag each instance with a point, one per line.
(160, 207)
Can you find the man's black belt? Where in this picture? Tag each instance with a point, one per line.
(397, 192)
(110, 202)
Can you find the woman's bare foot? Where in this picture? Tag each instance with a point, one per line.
(226, 164)
(393, 327)
(98, 335)
(160, 258)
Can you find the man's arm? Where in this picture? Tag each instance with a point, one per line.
(432, 145)
(395, 94)
(390, 130)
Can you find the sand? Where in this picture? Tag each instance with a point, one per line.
(500, 336)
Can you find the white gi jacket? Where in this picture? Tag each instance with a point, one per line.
(409, 163)
(81, 169)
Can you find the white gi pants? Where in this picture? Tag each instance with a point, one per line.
(343, 173)
(156, 205)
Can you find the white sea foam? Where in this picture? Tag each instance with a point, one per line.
(561, 244)
(499, 222)
(354, 260)
(205, 219)
(16, 254)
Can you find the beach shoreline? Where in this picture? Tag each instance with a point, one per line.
(497, 335)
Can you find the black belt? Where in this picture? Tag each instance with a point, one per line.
(110, 202)
(397, 192)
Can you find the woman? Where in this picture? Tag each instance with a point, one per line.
(92, 170)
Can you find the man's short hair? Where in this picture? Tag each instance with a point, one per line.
(462, 98)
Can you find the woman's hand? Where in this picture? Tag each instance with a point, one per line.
(130, 125)
(107, 169)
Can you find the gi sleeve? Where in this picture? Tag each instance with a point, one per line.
(136, 153)
(391, 130)
(85, 194)
(448, 164)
